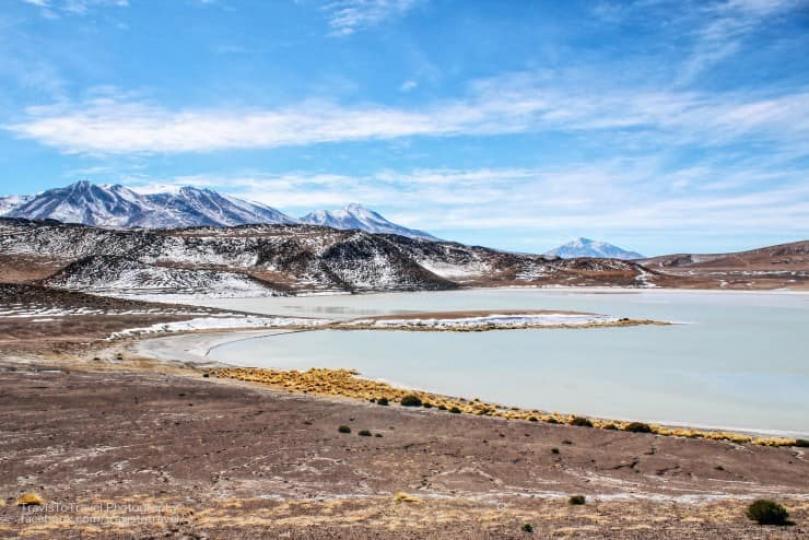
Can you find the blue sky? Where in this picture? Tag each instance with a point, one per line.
(659, 126)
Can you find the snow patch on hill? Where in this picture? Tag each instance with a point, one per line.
(122, 277)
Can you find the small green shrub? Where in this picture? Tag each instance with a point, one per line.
(765, 512)
(581, 421)
(577, 500)
(442, 407)
(611, 427)
(364, 433)
(802, 443)
(427, 405)
(552, 420)
(638, 427)
(411, 400)
(455, 410)
(533, 419)
(344, 429)
(382, 401)
(527, 527)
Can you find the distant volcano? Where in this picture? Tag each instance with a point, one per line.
(584, 247)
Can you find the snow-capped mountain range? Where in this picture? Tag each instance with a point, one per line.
(584, 247)
(355, 216)
(116, 206)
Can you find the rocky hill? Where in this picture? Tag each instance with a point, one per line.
(267, 259)
(783, 265)
(115, 275)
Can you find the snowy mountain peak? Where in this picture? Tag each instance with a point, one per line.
(356, 216)
(585, 247)
(120, 207)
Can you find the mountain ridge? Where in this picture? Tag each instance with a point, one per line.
(585, 247)
(284, 258)
(117, 206)
(356, 216)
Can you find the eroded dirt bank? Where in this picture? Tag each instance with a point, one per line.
(230, 460)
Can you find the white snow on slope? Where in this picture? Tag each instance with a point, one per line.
(116, 206)
(356, 216)
(584, 247)
(7, 204)
(125, 278)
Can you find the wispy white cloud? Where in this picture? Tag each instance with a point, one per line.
(53, 8)
(408, 86)
(119, 125)
(723, 197)
(723, 29)
(348, 16)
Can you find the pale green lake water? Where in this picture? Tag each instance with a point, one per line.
(738, 360)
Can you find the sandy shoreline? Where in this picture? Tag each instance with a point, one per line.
(196, 347)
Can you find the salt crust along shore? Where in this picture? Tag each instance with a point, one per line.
(450, 321)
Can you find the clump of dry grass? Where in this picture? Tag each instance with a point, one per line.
(30, 499)
(402, 497)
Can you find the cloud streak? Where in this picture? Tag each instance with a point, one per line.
(111, 125)
(608, 196)
(348, 16)
(729, 22)
(52, 8)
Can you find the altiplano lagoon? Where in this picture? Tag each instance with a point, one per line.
(404, 269)
(733, 360)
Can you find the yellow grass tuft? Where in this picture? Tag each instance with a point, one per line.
(30, 499)
(402, 497)
(346, 383)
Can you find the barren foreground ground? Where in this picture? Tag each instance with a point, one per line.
(196, 457)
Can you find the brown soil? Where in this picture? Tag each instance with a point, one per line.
(124, 447)
(237, 461)
(90, 318)
(22, 268)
